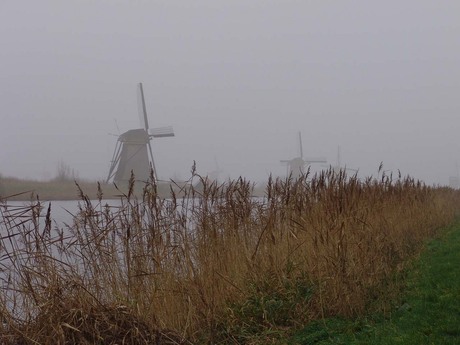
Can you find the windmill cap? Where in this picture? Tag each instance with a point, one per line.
(135, 136)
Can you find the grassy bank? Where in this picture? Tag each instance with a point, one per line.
(426, 312)
(215, 265)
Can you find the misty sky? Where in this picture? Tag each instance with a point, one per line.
(237, 79)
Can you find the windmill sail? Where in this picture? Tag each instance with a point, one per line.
(162, 132)
(133, 152)
(338, 167)
(143, 120)
(298, 166)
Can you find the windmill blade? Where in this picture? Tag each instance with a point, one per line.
(153, 162)
(315, 160)
(161, 132)
(114, 161)
(350, 169)
(144, 122)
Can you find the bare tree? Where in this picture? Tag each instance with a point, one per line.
(64, 172)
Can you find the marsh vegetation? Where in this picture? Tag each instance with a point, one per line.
(214, 264)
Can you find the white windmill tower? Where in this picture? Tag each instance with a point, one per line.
(133, 151)
(298, 165)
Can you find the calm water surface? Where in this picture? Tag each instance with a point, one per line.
(62, 211)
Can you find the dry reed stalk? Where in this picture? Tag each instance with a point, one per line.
(213, 263)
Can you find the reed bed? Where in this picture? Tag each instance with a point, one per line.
(211, 264)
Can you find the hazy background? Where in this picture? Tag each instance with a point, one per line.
(237, 79)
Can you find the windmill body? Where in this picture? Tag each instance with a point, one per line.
(133, 156)
(298, 166)
(133, 152)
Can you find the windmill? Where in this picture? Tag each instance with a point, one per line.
(454, 181)
(133, 151)
(214, 175)
(297, 166)
(338, 167)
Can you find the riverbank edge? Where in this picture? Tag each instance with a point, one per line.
(426, 312)
(13, 189)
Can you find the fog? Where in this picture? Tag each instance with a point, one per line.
(236, 79)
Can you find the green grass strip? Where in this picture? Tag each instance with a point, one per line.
(429, 314)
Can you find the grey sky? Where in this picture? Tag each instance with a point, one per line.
(237, 80)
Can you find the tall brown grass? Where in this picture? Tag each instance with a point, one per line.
(211, 264)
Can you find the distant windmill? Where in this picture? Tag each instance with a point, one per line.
(298, 166)
(133, 151)
(214, 175)
(454, 181)
(336, 168)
